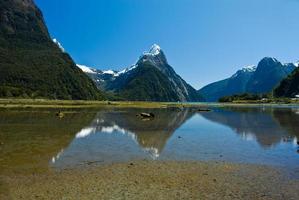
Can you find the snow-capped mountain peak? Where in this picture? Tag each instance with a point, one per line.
(155, 49)
(296, 64)
(58, 44)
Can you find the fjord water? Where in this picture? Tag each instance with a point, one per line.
(37, 140)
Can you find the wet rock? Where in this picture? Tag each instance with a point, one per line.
(179, 137)
(146, 115)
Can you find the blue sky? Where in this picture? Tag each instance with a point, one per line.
(204, 40)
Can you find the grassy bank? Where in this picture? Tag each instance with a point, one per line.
(43, 103)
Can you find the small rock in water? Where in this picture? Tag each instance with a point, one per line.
(204, 110)
(146, 115)
(60, 114)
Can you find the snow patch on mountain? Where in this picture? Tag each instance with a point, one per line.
(247, 69)
(155, 49)
(111, 72)
(296, 64)
(272, 59)
(250, 68)
(126, 70)
(58, 44)
(86, 69)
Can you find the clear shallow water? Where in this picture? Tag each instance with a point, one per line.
(38, 141)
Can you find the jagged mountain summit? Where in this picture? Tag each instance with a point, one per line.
(150, 79)
(262, 78)
(31, 64)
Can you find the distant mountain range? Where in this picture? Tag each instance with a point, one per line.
(31, 65)
(150, 79)
(259, 79)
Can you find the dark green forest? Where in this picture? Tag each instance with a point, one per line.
(31, 65)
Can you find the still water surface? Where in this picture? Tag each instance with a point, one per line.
(37, 140)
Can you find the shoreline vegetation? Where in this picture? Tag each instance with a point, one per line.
(155, 180)
(45, 103)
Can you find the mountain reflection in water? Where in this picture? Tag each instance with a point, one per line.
(38, 140)
(267, 126)
(109, 127)
(118, 135)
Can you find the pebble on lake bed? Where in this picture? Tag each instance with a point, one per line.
(60, 114)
